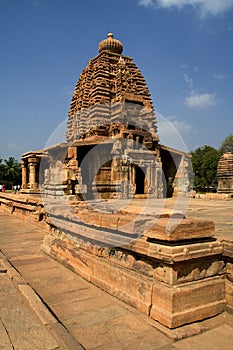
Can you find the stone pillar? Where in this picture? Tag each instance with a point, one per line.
(32, 173)
(152, 189)
(159, 178)
(181, 181)
(24, 174)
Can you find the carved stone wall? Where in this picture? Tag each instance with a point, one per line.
(176, 275)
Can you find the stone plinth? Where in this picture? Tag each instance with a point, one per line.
(175, 282)
(172, 271)
(30, 208)
(174, 306)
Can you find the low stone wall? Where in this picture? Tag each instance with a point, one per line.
(213, 196)
(172, 269)
(24, 206)
(173, 298)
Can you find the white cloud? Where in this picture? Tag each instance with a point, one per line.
(203, 7)
(188, 80)
(146, 2)
(184, 66)
(219, 76)
(200, 101)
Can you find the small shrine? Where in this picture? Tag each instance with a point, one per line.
(225, 173)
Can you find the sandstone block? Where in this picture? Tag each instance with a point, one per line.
(174, 306)
(229, 267)
(229, 294)
(175, 229)
(132, 288)
(72, 258)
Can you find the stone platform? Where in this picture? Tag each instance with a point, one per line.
(95, 319)
(165, 265)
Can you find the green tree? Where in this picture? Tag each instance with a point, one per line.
(226, 145)
(205, 163)
(11, 172)
(1, 170)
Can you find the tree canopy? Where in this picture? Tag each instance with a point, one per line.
(226, 145)
(205, 163)
(10, 172)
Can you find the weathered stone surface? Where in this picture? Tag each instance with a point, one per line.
(19, 326)
(229, 294)
(72, 258)
(175, 229)
(32, 208)
(229, 268)
(132, 288)
(170, 302)
(188, 271)
(228, 248)
(174, 253)
(5, 342)
(190, 302)
(127, 286)
(219, 338)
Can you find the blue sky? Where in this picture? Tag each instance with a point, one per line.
(183, 48)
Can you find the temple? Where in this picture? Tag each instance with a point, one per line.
(225, 173)
(168, 267)
(112, 148)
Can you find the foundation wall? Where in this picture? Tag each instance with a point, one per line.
(30, 208)
(134, 282)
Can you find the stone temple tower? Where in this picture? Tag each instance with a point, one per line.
(106, 85)
(112, 125)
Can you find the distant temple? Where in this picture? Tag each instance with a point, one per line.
(225, 173)
(112, 148)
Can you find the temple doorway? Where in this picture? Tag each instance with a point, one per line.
(139, 180)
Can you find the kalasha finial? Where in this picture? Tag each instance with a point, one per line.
(111, 44)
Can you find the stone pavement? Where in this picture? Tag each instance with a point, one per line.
(20, 328)
(25, 322)
(43, 305)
